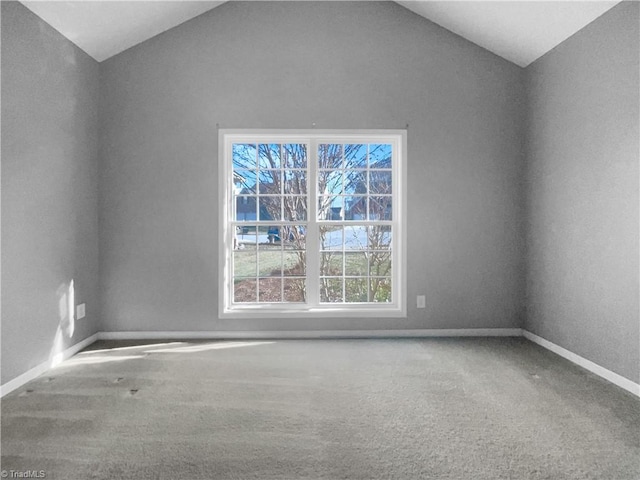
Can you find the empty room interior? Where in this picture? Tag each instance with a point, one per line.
(320, 239)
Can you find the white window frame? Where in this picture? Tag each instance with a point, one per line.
(396, 308)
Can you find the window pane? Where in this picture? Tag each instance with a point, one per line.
(270, 289)
(380, 263)
(355, 181)
(380, 289)
(379, 237)
(244, 155)
(244, 263)
(246, 236)
(355, 156)
(329, 182)
(270, 156)
(295, 181)
(380, 155)
(294, 208)
(270, 208)
(331, 290)
(244, 181)
(380, 182)
(330, 156)
(331, 264)
(356, 264)
(331, 237)
(355, 208)
(330, 208)
(269, 261)
(294, 263)
(380, 208)
(246, 208)
(245, 290)
(294, 236)
(270, 181)
(294, 155)
(356, 290)
(294, 290)
(355, 237)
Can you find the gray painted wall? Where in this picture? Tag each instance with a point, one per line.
(583, 157)
(49, 189)
(288, 65)
(339, 65)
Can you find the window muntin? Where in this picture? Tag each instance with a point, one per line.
(285, 253)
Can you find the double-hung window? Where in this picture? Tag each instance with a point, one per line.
(312, 223)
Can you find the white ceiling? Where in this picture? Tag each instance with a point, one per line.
(105, 28)
(520, 31)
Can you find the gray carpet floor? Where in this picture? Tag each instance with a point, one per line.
(494, 408)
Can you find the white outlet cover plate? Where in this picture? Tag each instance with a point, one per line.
(80, 311)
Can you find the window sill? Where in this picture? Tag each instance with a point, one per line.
(341, 311)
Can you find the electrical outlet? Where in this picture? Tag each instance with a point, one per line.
(421, 301)
(80, 311)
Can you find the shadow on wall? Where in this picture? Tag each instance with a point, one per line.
(66, 324)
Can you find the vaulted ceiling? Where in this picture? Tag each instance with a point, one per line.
(519, 31)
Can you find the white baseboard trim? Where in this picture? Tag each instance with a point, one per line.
(311, 334)
(38, 370)
(608, 375)
(35, 372)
